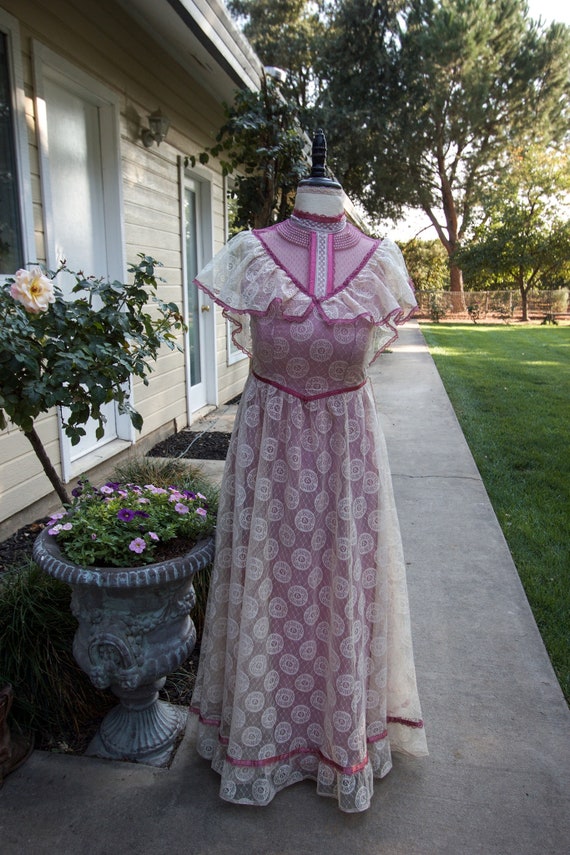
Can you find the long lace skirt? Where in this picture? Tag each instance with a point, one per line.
(306, 666)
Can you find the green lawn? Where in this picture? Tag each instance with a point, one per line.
(510, 388)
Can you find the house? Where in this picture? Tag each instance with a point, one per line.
(83, 179)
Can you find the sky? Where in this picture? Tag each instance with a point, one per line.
(550, 10)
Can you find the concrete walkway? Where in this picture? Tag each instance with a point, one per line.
(497, 780)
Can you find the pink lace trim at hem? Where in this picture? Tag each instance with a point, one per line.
(393, 719)
(278, 758)
(303, 397)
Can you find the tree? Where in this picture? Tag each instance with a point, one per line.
(422, 105)
(524, 237)
(262, 144)
(286, 34)
(427, 263)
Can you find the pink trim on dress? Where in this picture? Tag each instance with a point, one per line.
(312, 264)
(319, 218)
(330, 265)
(396, 316)
(393, 719)
(279, 758)
(305, 397)
(294, 279)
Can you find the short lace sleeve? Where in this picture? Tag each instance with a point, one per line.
(244, 280)
(394, 293)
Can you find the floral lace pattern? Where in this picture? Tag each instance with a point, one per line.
(306, 667)
(246, 280)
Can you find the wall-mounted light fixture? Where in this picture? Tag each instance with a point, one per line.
(157, 130)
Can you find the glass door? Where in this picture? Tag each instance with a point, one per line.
(78, 216)
(199, 305)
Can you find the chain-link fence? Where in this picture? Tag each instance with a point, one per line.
(549, 306)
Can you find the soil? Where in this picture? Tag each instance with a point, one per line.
(208, 445)
(18, 548)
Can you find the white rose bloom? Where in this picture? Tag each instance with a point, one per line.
(33, 290)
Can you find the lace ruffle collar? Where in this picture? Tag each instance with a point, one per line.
(299, 233)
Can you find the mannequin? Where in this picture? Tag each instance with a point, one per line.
(306, 665)
(319, 196)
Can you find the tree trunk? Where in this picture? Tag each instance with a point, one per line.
(456, 288)
(524, 303)
(47, 465)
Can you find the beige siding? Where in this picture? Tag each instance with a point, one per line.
(101, 40)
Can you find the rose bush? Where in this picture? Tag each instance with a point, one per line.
(78, 354)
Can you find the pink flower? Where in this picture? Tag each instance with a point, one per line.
(201, 512)
(137, 545)
(33, 290)
(180, 508)
(153, 535)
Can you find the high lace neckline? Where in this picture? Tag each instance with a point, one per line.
(317, 223)
(298, 232)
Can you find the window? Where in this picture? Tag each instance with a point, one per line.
(11, 250)
(16, 224)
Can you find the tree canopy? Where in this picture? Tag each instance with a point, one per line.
(440, 91)
(421, 100)
(262, 145)
(524, 237)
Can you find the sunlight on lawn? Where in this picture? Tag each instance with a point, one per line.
(510, 388)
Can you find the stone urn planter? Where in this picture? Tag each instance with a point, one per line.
(134, 629)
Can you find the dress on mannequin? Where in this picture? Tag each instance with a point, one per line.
(306, 667)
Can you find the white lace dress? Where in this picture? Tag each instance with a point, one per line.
(306, 666)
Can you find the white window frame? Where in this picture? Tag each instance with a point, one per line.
(11, 29)
(108, 100)
(203, 177)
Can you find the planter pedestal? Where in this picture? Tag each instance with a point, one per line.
(140, 728)
(134, 628)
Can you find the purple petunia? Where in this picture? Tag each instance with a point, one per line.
(180, 508)
(201, 512)
(125, 514)
(137, 545)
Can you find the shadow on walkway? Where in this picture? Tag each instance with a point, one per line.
(497, 778)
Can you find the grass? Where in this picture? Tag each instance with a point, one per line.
(510, 388)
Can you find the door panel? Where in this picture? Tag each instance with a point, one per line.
(77, 224)
(198, 303)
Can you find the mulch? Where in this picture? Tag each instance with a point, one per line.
(18, 548)
(207, 445)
